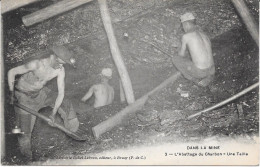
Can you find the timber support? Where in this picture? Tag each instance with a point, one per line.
(123, 73)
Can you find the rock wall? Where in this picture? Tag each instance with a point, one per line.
(142, 28)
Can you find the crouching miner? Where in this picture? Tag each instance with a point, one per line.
(104, 93)
(30, 91)
(200, 69)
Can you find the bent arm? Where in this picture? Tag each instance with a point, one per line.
(183, 46)
(61, 90)
(19, 70)
(88, 94)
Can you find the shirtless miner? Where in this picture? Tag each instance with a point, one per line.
(31, 92)
(104, 93)
(200, 69)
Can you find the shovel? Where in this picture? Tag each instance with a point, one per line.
(73, 135)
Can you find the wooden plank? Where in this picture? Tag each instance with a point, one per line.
(122, 92)
(126, 82)
(52, 10)
(118, 118)
(248, 19)
(9, 5)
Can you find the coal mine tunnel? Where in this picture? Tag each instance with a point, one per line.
(134, 46)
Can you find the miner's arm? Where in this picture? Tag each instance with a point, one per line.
(61, 91)
(183, 46)
(88, 94)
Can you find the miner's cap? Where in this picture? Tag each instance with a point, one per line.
(107, 72)
(187, 17)
(64, 54)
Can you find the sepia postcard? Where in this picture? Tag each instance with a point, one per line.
(130, 82)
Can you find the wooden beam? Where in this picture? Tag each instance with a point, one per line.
(126, 82)
(118, 118)
(2, 99)
(248, 19)
(122, 92)
(9, 5)
(52, 10)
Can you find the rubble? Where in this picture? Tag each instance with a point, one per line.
(169, 117)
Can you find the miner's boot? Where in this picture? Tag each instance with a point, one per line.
(25, 139)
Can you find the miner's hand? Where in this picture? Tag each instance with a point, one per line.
(52, 117)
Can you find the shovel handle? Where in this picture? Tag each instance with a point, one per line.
(62, 128)
(33, 112)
